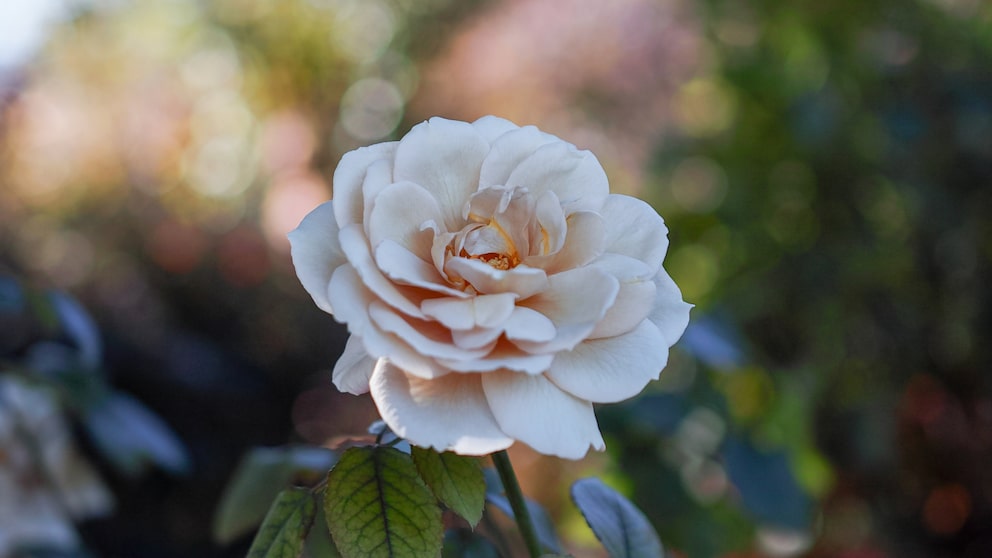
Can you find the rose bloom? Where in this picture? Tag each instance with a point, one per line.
(493, 287)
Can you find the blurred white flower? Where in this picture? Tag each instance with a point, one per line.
(493, 287)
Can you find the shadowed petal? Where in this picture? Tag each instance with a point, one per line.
(670, 312)
(316, 253)
(538, 413)
(635, 299)
(611, 369)
(354, 368)
(449, 413)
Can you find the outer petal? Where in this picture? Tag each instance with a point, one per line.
(351, 298)
(444, 157)
(349, 176)
(635, 230)
(535, 411)
(316, 252)
(354, 368)
(575, 176)
(612, 369)
(575, 301)
(670, 312)
(492, 127)
(400, 210)
(635, 299)
(508, 151)
(449, 413)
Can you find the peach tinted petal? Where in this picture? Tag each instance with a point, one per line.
(447, 414)
(611, 369)
(316, 253)
(535, 411)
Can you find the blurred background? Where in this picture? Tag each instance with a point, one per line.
(825, 170)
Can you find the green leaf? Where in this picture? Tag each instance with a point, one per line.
(262, 473)
(377, 506)
(285, 526)
(616, 522)
(456, 480)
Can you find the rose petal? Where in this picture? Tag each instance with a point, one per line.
(508, 151)
(535, 411)
(444, 157)
(349, 176)
(575, 301)
(447, 414)
(356, 248)
(403, 266)
(398, 215)
(670, 312)
(353, 368)
(485, 311)
(351, 299)
(492, 127)
(427, 338)
(611, 369)
(316, 253)
(552, 226)
(635, 299)
(476, 338)
(522, 280)
(584, 242)
(503, 356)
(525, 324)
(380, 344)
(575, 176)
(636, 230)
(378, 176)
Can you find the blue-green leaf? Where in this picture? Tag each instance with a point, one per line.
(616, 522)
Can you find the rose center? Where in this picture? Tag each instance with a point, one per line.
(491, 244)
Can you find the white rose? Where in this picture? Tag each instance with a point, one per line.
(493, 287)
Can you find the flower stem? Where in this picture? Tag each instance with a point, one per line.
(520, 512)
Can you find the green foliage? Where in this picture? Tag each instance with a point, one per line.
(261, 475)
(456, 480)
(617, 523)
(377, 506)
(285, 526)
